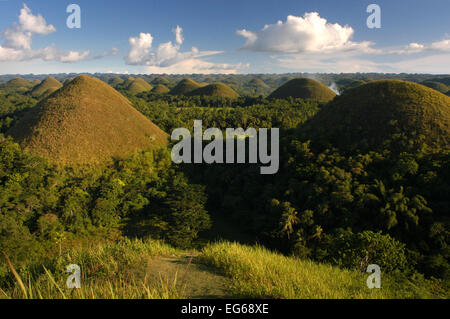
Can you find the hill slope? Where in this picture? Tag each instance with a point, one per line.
(17, 84)
(366, 116)
(161, 80)
(160, 89)
(115, 80)
(139, 85)
(85, 122)
(303, 88)
(438, 86)
(215, 90)
(185, 86)
(46, 87)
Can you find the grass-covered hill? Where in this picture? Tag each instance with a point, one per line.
(115, 80)
(438, 86)
(85, 122)
(160, 89)
(160, 80)
(138, 85)
(46, 87)
(18, 84)
(366, 116)
(214, 90)
(304, 88)
(185, 86)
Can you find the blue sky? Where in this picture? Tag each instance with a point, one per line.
(218, 36)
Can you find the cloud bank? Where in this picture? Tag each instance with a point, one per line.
(309, 33)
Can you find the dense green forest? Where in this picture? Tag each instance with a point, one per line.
(348, 207)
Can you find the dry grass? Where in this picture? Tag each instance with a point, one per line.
(305, 89)
(86, 122)
(215, 90)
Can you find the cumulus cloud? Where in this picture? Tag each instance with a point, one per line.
(17, 44)
(167, 57)
(310, 33)
(140, 48)
(34, 23)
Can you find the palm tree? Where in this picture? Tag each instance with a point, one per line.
(289, 218)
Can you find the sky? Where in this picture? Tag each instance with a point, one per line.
(224, 36)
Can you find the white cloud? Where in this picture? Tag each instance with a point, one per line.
(34, 23)
(167, 57)
(74, 56)
(443, 45)
(309, 33)
(178, 35)
(140, 48)
(16, 38)
(414, 47)
(17, 44)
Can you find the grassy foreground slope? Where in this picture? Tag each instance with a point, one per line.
(152, 269)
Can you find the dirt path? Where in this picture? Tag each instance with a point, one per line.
(200, 281)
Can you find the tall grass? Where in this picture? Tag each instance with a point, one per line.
(256, 272)
(113, 270)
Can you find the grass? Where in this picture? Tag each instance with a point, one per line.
(46, 87)
(137, 269)
(139, 85)
(185, 86)
(160, 89)
(113, 270)
(256, 272)
(85, 122)
(214, 90)
(305, 89)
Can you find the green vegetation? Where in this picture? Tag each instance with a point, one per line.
(86, 122)
(151, 269)
(214, 90)
(438, 86)
(185, 86)
(363, 179)
(46, 87)
(18, 85)
(256, 272)
(303, 88)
